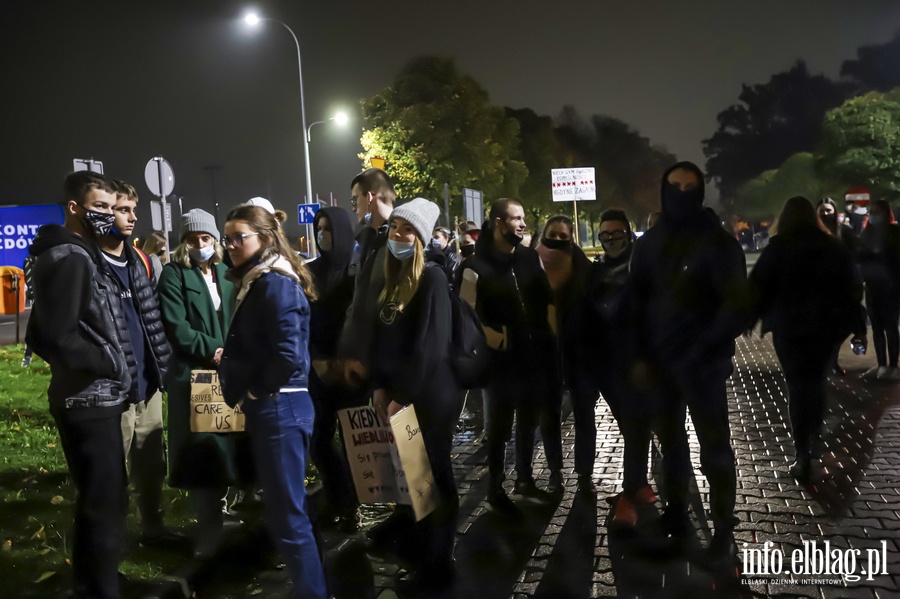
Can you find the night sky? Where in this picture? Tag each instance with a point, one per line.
(124, 81)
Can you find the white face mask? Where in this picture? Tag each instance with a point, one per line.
(324, 239)
(201, 255)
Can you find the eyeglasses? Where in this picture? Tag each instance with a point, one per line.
(613, 235)
(237, 239)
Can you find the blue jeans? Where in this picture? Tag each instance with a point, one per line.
(280, 430)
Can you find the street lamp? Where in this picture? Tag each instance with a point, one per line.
(340, 118)
(252, 19)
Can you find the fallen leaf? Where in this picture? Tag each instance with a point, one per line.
(7, 545)
(45, 551)
(57, 499)
(51, 444)
(44, 576)
(256, 592)
(39, 534)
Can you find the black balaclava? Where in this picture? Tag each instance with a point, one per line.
(680, 208)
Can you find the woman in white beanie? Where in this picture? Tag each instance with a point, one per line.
(196, 302)
(411, 365)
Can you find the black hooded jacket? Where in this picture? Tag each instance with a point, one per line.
(687, 291)
(77, 325)
(334, 282)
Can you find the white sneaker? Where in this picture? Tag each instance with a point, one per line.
(872, 373)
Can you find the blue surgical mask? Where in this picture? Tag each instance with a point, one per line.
(200, 255)
(368, 218)
(437, 243)
(402, 250)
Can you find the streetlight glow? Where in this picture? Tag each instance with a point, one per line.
(251, 18)
(341, 118)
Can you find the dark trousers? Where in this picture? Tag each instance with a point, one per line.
(584, 402)
(700, 388)
(329, 458)
(438, 529)
(883, 307)
(634, 414)
(805, 362)
(508, 399)
(96, 459)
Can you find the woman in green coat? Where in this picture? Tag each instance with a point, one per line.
(197, 303)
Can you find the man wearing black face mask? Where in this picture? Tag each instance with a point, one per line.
(78, 328)
(687, 302)
(511, 294)
(147, 353)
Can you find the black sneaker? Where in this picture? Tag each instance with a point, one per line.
(676, 524)
(555, 486)
(502, 504)
(721, 555)
(801, 470)
(586, 485)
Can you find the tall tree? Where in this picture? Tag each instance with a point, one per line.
(435, 126)
(801, 174)
(861, 143)
(771, 122)
(541, 150)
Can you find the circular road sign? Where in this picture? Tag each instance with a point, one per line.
(159, 171)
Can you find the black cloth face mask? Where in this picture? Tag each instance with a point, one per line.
(564, 245)
(680, 207)
(98, 223)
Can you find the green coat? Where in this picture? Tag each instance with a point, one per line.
(195, 331)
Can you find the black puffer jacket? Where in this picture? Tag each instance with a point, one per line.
(77, 325)
(147, 304)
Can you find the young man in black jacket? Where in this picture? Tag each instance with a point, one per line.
(147, 352)
(512, 297)
(78, 328)
(688, 296)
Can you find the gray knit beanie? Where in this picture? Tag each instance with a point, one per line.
(421, 214)
(198, 220)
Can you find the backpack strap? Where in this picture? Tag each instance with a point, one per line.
(146, 262)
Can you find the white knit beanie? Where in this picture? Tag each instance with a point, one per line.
(421, 214)
(198, 220)
(262, 203)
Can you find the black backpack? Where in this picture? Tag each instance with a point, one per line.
(469, 355)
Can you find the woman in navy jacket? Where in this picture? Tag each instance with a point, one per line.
(265, 365)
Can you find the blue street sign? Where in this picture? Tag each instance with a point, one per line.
(306, 213)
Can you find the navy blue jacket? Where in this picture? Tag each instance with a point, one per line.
(267, 347)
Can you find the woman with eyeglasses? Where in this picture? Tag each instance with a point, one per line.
(265, 365)
(411, 365)
(196, 303)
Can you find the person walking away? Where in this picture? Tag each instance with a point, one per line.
(265, 365)
(806, 290)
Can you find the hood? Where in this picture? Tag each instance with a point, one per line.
(50, 236)
(686, 166)
(342, 238)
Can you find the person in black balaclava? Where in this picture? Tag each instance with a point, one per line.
(688, 303)
(334, 281)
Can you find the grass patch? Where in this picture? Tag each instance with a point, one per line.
(38, 497)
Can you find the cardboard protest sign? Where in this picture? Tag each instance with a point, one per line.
(385, 467)
(209, 412)
(370, 451)
(414, 461)
(573, 184)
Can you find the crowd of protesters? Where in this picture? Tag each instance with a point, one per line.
(649, 326)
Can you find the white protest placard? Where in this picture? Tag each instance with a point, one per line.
(414, 462)
(371, 451)
(573, 184)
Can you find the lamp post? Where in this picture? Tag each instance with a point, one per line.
(340, 118)
(253, 19)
